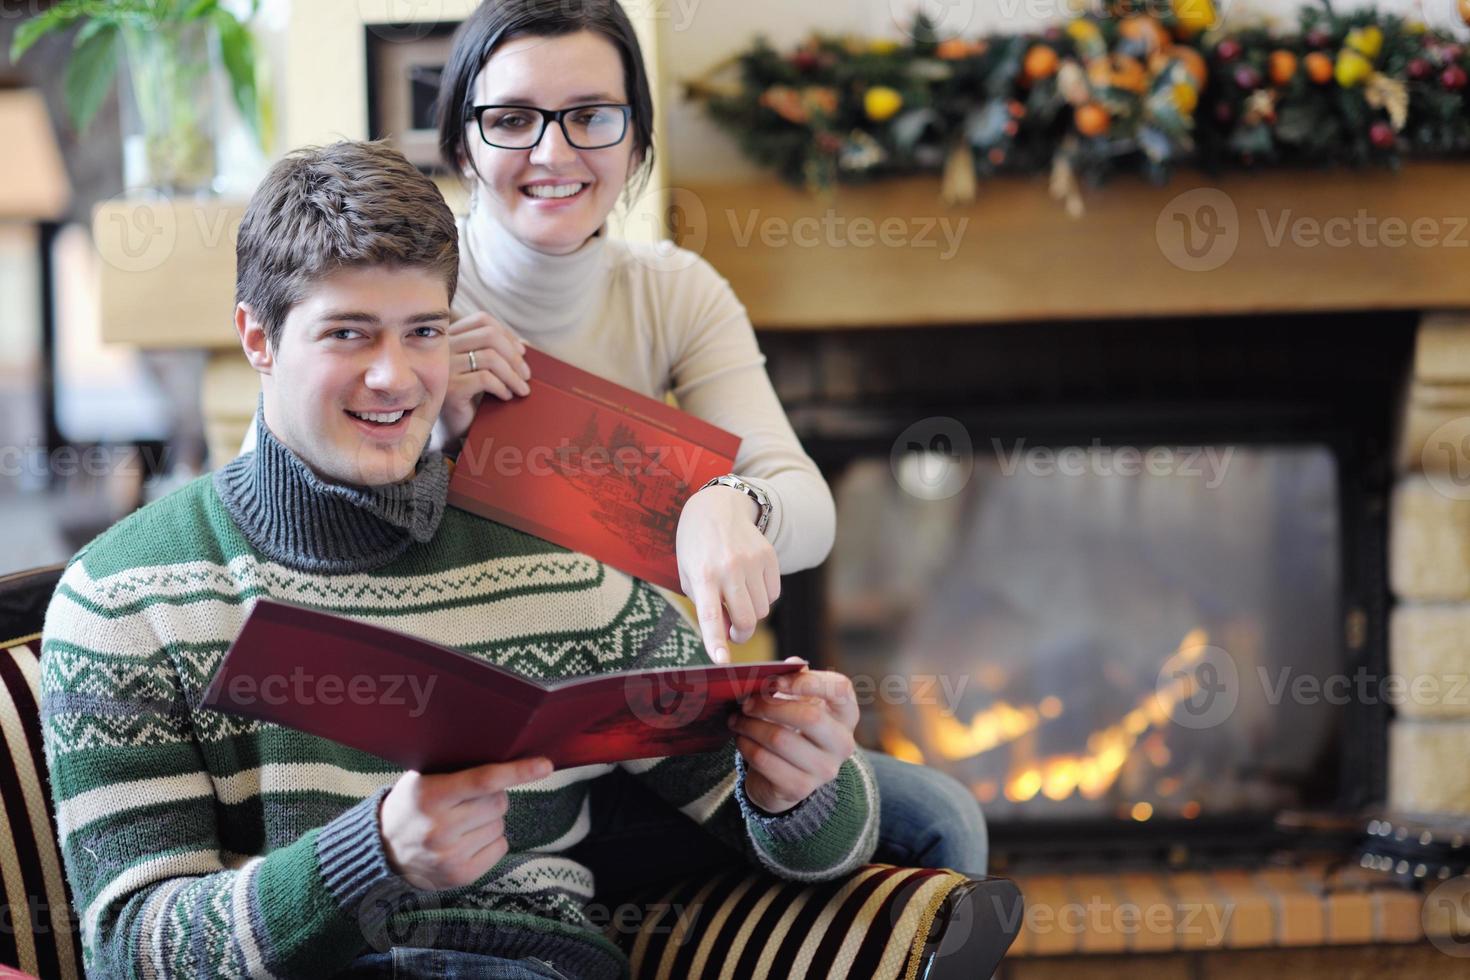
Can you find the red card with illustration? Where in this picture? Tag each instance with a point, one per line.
(591, 466)
(432, 708)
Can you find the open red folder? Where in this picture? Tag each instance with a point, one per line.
(590, 465)
(434, 709)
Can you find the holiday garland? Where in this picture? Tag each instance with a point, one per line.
(1114, 91)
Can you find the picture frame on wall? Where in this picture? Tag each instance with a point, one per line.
(404, 65)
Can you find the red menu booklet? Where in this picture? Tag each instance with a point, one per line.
(591, 466)
(434, 709)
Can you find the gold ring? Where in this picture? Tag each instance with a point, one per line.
(473, 366)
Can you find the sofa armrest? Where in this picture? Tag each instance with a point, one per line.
(881, 922)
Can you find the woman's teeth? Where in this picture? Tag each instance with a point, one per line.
(553, 190)
(382, 418)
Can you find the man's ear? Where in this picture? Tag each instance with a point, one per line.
(253, 339)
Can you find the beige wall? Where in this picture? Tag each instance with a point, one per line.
(319, 46)
(324, 96)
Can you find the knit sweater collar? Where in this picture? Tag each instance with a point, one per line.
(532, 292)
(299, 520)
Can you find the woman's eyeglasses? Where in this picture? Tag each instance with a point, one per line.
(520, 127)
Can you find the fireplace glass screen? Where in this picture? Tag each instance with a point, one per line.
(1134, 633)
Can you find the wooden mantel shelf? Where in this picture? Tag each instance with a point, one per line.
(1305, 241)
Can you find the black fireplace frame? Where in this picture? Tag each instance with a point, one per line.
(1330, 379)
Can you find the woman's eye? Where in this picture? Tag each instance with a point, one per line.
(514, 120)
(588, 117)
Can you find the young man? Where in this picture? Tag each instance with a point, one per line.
(201, 844)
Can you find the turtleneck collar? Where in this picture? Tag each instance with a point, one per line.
(294, 517)
(531, 292)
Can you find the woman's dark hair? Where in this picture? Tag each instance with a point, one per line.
(496, 22)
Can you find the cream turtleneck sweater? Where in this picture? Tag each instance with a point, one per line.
(659, 320)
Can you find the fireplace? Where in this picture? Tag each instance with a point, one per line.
(1122, 579)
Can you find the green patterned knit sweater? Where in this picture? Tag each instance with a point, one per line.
(204, 845)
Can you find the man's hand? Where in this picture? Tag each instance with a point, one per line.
(793, 746)
(447, 830)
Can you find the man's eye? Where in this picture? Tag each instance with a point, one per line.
(345, 333)
(428, 331)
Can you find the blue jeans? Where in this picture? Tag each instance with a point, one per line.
(404, 963)
(926, 819)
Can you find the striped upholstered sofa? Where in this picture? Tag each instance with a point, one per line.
(881, 922)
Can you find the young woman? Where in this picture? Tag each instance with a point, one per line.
(545, 109)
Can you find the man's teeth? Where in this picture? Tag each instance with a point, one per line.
(383, 418)
(554, 190)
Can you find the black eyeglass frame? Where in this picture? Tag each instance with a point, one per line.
(549, 116)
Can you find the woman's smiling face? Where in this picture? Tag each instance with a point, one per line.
(553, 196)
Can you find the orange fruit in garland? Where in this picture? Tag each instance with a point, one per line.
(1145, 32)
(1282, 66)
(1465, 11)
(1190, 58)
(1091, 119)
(1194, 63)
(1319, 67)
(1118, 71)
(955, 49)
(1041, 62)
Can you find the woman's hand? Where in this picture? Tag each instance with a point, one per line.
(796, 738)
(726, 567)
(485, 355)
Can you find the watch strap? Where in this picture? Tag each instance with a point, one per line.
(762, 500)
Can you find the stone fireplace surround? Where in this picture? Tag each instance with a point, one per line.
(1022, 261)
(1403, 384)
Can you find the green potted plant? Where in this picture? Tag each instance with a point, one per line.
(176, 57)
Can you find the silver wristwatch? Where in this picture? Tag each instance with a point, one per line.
(763, 519)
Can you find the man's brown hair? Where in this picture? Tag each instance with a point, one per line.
(346, 205)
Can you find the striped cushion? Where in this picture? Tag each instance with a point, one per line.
(39, 936)
(871, 925)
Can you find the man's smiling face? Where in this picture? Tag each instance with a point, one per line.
(358, 377)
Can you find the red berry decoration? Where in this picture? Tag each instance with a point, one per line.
(1228, 49)
(1247, 77)
(1224, 113)
(1382, 135)
(1453, 78)
(1419, 68)
(1318, 38)
(805, 60)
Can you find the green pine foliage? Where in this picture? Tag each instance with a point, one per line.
(1119, 96)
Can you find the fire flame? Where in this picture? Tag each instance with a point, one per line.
(1091, 773)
